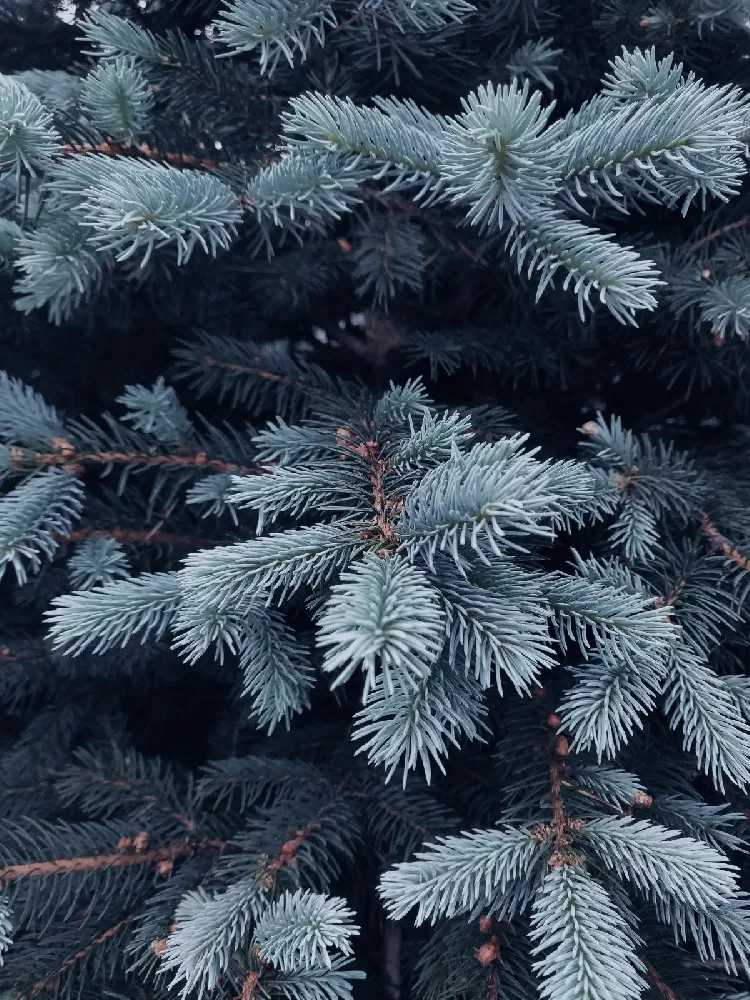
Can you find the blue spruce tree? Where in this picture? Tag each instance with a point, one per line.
(374, 546)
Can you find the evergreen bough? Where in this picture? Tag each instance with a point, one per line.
(467, 707)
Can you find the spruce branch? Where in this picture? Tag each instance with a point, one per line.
(58, 268)
(67, 457)
(103, 862)
(253, 375)
(590, 947)
(26, 420)
(277, 674)
(97, 561)
(719, 543)
(31, 515)
(457, 874)
(304, 928)
(277, 564)
(624, 282)
(117, 97)
(111, 615)
(414, 727)
(497, 156)
(711, 721)
(275, 28)
(489, 499)
(147, 205)
(661, 863)
(28, 138)
(208, 929)
(400, 139)
(115, 36)
(655, 978)
(51, 980)
(384, 613)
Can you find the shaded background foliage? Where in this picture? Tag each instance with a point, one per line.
(672, 375)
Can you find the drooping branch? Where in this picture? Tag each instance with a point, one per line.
(49, 982)
(131, 787)
(287, 381)
(719, 543)
(716, 234)
(656, 980)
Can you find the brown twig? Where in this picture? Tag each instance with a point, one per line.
(250, 986)
(142, 151)
(102, 862)
(721, 544)
(49, 981)
(392, 959)
(384, 506)
(558, 809)
(657, 981)
(69, 458)
(717, 233)
(285, 380)
(559, 832)
(672, 595)
(287, 856)
(122, 785)
(288, 853)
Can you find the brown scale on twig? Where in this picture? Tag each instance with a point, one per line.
(721, 544)
(385, 507)
(250, 986)
(287, 856)
(142, 151)
(558, 832)
(488, 956)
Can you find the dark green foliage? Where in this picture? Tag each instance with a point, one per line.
(373, 500)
